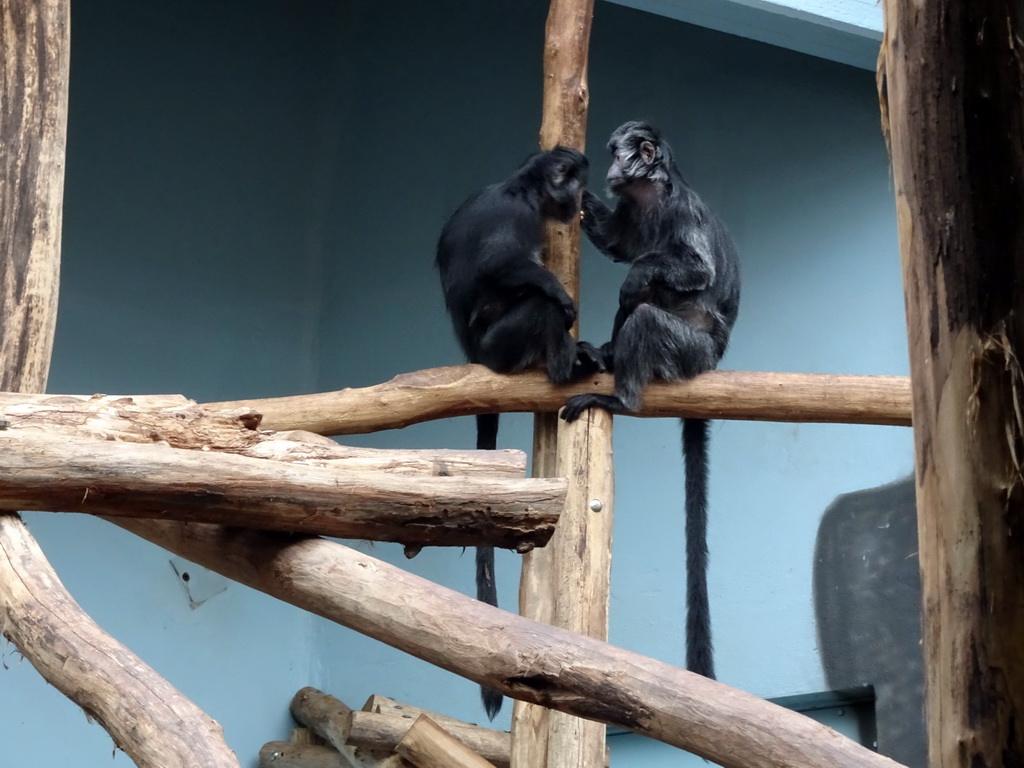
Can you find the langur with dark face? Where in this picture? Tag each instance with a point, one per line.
(509, 312)
(677, 307)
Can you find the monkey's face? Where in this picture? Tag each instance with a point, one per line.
(638, 160)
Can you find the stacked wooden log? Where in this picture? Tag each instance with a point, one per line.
(384, 734)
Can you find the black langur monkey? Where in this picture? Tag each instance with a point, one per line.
(677, 307)
(509, 312)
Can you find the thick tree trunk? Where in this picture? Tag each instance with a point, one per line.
(146, 717)
(953, 83)
(519, 657)
(439, 393)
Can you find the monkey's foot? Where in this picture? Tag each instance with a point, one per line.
(576, 405)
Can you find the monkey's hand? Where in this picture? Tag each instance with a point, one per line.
(588, 360)
(568, 310)
(596, 220)
(608, 356)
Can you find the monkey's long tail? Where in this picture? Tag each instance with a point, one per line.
(486, 590)
(699, 651)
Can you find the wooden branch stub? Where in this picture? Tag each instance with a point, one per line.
(519, 657)
(428, 745)
(464, 390)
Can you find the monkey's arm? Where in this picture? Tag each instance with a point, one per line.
(525, 276)
(682, 270)
(597, 223)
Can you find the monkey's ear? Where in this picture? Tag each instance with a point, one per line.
(647, 151)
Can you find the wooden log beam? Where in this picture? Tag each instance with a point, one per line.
(953, 84)
(464, 390)
(428, 745)
(181, 423)
(136, 480)
(147, 718)
(521, 658)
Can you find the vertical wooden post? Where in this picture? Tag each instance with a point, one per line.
(567, 582)
(147, 718)
(952, 82)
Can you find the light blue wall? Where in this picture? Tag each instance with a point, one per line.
(243, 180)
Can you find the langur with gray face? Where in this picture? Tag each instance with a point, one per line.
(677, 307)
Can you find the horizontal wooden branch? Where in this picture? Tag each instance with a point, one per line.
(327, 717)
(463, 390)
(522, 658)
(149, 719)
(137, 480)
(181, 423)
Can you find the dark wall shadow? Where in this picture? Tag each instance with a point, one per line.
(867, 597)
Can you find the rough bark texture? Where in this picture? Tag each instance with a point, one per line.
(517, 656)
(428, 745)
(34, 54)
(146, 717)
(135, 480)
(953, 80)
(464, 390)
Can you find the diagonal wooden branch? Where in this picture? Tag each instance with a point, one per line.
(146, 717)
(463, 390)
(520, 657)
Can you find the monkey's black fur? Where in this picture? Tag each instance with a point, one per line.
(677, 307)
(509, 312)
